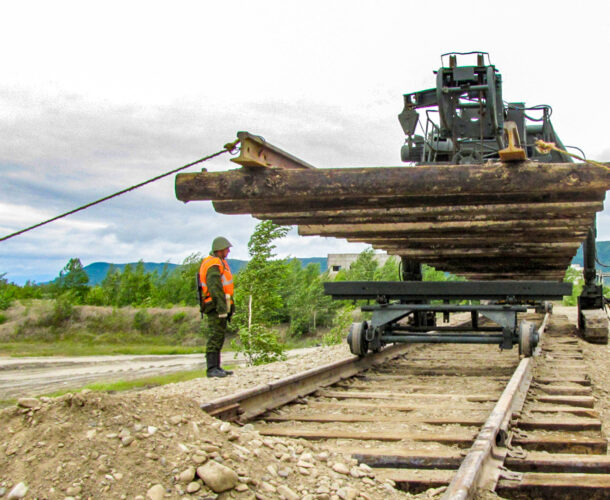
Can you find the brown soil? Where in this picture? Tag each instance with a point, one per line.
(92, 445)
(118, 446)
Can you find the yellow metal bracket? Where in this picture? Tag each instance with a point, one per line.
(514, 151)
(256, 152)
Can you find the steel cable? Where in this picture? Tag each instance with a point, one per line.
(228, 148)
(601, 263)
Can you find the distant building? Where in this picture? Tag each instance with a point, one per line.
(337, 261)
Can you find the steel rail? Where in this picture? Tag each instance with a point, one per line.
(484, 459)
(250, 403)
(258, 153)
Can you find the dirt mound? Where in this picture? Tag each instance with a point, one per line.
(142, 445)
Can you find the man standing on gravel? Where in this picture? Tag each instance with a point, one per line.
(216, 284)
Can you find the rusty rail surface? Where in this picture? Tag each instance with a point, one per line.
(250, 403)
(484, 459)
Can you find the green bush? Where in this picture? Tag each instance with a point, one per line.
(179, 317)
(73, 279)
(5, 302)
(575, 277)
(299, 326)
(6, 293)
(340, 326)
(3, 318)
(333, 337)
(142, 321)
(96, 296)
(61, 311)
(259, 345)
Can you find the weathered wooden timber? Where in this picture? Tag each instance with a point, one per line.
(458, 227)
(493, 221)
(428, 180)
(365, 201)
(497, 212)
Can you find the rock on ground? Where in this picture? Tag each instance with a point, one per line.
(217, 476)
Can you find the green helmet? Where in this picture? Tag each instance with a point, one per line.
(220, 243)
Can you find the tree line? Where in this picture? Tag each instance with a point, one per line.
(268, 291)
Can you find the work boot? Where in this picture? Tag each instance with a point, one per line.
(227, 372)
(213, 369)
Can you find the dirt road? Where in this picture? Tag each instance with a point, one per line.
(20, 377)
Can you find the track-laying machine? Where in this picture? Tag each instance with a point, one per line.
(467, 122)
(476, 198)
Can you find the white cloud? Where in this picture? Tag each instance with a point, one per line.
(95, 98)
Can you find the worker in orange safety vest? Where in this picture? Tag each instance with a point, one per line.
(216, 295)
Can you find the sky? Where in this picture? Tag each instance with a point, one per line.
(97, 96)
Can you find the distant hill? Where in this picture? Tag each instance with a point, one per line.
(97, 270)
(603, 255)
(312, 260)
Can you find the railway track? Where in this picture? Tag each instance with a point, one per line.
(468, 417)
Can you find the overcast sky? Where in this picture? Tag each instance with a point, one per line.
(96, 96)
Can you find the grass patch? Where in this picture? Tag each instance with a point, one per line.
(67, 348)
(4, 403)
(146, 382)
(126, 385)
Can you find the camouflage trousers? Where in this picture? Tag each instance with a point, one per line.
(216, 332)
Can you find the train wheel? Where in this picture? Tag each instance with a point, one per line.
(357, 343)
(528, 338)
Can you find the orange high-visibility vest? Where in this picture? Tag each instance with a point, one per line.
(225, 276)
